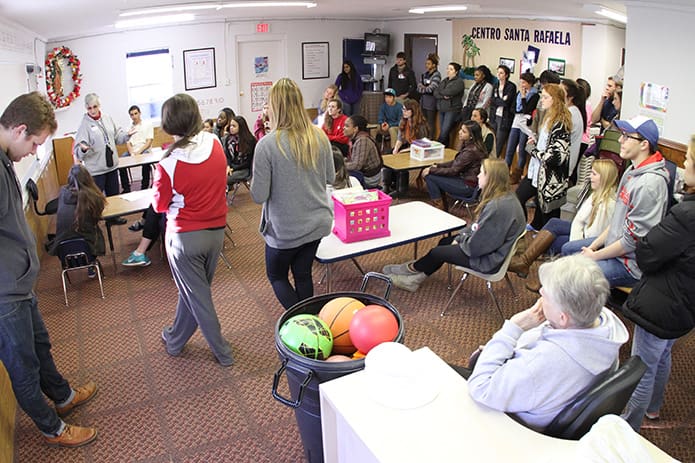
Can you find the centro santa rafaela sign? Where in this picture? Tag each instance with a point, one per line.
(520, 34)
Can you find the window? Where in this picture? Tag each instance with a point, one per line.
(150, 81)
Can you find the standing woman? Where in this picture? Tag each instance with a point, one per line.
(448, 95)
(189, 186)
(547, 178)
(460, 176)
(662, 303)
(526, 102)
(480, 117)
(429, 81)
(349, 86)
(95, 146)
(577, 106)
(291, 168)
(480, 94)
(238, 149)
(502, 107)
(80, 206)
(484, 245)
(586, 136)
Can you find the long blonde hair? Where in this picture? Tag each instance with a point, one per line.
(608, 172)
(324, 101)
(289, 116)
(558, 112)
(497, 182)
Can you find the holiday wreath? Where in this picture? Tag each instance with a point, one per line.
(54, 76)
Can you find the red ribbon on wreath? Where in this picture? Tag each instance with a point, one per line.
(54, 76)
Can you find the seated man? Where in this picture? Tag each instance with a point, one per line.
(640, 204)
(546, 356)
(141, 135)
(390, 114)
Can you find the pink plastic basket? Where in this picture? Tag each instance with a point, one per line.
(362, 221)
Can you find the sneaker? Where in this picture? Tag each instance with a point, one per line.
(398, 269)
(91, 272)
(136, 261)
(408, 282)
(136, 226)
(652, 416)
(72, 436)
(83, 395)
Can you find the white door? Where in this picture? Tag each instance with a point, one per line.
(261, 61)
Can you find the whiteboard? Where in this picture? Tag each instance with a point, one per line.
(15, 82)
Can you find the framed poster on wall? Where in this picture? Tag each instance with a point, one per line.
(199, 68)
(315, 60)
(509, 62)
(557, 65)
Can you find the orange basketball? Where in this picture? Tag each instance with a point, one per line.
(338, 313)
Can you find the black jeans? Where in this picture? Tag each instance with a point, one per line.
(443, 253)
(278, 263)
(526, 191)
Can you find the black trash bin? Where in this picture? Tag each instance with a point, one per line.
(304, 374)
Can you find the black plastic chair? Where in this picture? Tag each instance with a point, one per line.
(74, 254)
(607, 397)
(51, 206)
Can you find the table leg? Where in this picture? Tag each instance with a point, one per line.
(328, 278)
(108, 233)
(357, 264)
(415, 250)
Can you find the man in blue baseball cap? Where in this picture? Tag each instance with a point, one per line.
(640, 205)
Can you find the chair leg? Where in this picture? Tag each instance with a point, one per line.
(101, 284)
(228, 233)
(226, 261)
(65, 289)
(451, 298)
(511, 286)
(494, 299)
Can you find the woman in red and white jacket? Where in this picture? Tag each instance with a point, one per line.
(189, 186)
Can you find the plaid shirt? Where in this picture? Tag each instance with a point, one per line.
(364, 155)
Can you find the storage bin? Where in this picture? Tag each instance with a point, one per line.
(421, 153)
(362, 221)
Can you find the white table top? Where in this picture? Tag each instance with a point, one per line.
(127, 203)
(153, 157)
(450, 428)
(408, 222)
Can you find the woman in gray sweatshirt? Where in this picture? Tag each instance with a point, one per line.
(291, 167)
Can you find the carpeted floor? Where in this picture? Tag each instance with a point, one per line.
(155, 408)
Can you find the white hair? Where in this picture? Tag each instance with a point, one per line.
(90, 99)
(578, 285)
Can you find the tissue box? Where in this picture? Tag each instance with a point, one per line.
(432, 152)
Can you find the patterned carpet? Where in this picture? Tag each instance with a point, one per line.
(155, 408)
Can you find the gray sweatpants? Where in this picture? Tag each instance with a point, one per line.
(193, 258)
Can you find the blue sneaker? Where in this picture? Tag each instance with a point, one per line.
(91, 272)
(136, 261)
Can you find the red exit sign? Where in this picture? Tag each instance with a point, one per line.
(262, 27)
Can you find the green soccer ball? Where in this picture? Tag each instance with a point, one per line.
(307, 335)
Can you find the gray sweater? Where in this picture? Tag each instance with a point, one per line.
(296, 210)
(488, 241)
(97, 134)
(19, 263)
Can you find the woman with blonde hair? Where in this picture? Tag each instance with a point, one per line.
(547, 178)
(328, 94)
(291, 167)
(593, 216)
(484, 245)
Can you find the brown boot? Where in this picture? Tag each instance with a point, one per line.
(520, 264)
(515, 175)
(72, 436)
(534, 286)
(440, 203)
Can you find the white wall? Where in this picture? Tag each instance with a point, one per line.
(658, 50)
(602, 45)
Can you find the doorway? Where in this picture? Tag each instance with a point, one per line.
(417, 47)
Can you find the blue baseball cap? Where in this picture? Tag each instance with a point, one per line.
(642, 125)
(390, 91)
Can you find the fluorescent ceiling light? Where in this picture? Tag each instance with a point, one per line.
(437, 9)
(216, 6)
(614, 15)
(154, 20)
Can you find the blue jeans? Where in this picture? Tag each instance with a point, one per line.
(561, 229)
(614, 270)
(351, 109)
(108, 182)
(649, 394)
(278, 263)
(438, 184)
(516, 138)
(447, 121)
(25, 350)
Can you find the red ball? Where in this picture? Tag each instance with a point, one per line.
(371, 326)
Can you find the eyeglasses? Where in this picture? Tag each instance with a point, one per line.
(625, 135)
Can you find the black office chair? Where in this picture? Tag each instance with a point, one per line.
(51, 206)
(74, 254)
(607, 397)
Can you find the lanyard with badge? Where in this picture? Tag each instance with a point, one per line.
(107, 146)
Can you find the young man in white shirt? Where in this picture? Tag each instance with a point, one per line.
(140, 141)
